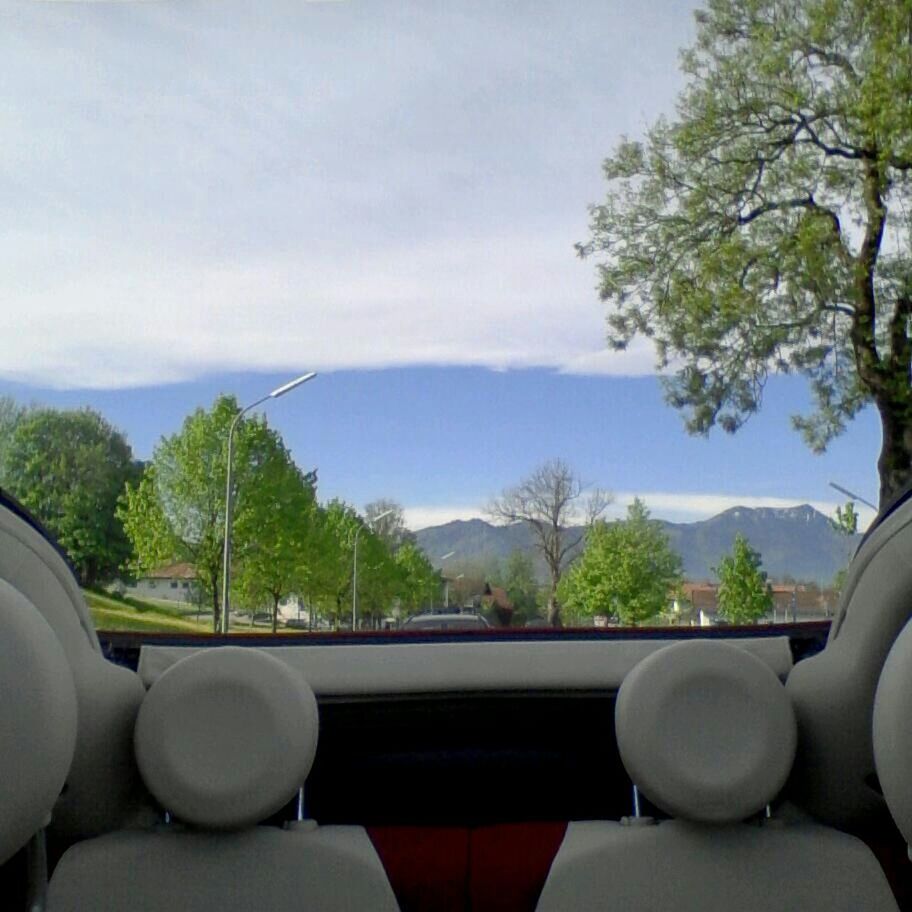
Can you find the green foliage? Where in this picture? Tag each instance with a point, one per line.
(177, 510)
(765, 228)
(419, 582)
(518, 578)
(11, 413)
(846, 519)
(69, 468)
(331, 576)
(275, 536)
(627, 571)
(846, 523)
(744, 593)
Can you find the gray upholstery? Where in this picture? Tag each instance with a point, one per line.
(689, 867)
(390, 668)
(695, 723)
(37, 720)
(332, 869)
(833, 692)
(103, 788)
(706, 731)
(893, 732)
(226, 737)
(31, 564)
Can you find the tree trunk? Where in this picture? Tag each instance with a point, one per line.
(895, 462)
(216, 611)
(554, 608)
(275, 612)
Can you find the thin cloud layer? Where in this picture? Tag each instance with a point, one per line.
(193, 188)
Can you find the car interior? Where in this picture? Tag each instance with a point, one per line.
(707, 769)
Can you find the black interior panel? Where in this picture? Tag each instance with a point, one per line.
(467, 760)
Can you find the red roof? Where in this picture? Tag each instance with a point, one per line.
(181, 570)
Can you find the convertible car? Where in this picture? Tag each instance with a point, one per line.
(712, 770)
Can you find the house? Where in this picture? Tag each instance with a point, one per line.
(173, 583)
(698, 602)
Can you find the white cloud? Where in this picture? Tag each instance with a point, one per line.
(637, 359)
(423, 517)
(141, 319)
(192, 188)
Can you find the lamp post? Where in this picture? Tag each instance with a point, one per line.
(226, 554)
(852, 496)
(355, 566)
(446, 582)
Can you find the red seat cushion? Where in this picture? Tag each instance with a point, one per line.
(509, 863)
(501, 867)
(427, 867)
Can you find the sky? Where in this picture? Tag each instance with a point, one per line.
(205, 196)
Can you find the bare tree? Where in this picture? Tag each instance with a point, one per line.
(387, 520)
(554, 504)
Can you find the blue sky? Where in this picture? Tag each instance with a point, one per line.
(442, 441)
(209, 195)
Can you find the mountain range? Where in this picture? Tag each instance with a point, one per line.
(797, 543)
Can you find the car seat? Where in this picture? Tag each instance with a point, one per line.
(833, 692)
(224, 739)
(707, 733)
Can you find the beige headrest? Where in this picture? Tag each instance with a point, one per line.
(226, 736)
(37, 720)
(706, 731)
(893, 731)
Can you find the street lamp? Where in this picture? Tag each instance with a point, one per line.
(370, 523)
(226, 554)
(446, 582)
(852, 496)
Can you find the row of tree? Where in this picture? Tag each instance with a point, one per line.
(629, 573)
(283, 540)
(627, 570)
(112, 513)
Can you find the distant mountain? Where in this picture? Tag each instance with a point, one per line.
(797, 542)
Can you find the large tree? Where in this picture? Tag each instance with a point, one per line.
(553, 504)
(744, 593)
(339, 522)
(386, 519)
(69, 468)
(276, 535)
(176, 512)
(517, 577)
(765, 228)
(418, 581)
(627, 571)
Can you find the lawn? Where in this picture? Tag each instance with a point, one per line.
(140, 614)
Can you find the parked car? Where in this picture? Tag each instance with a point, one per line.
(446, 622)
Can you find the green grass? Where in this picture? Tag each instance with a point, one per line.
(139, 614)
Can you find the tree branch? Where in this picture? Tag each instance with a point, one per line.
(797, 202)
(863, 333)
